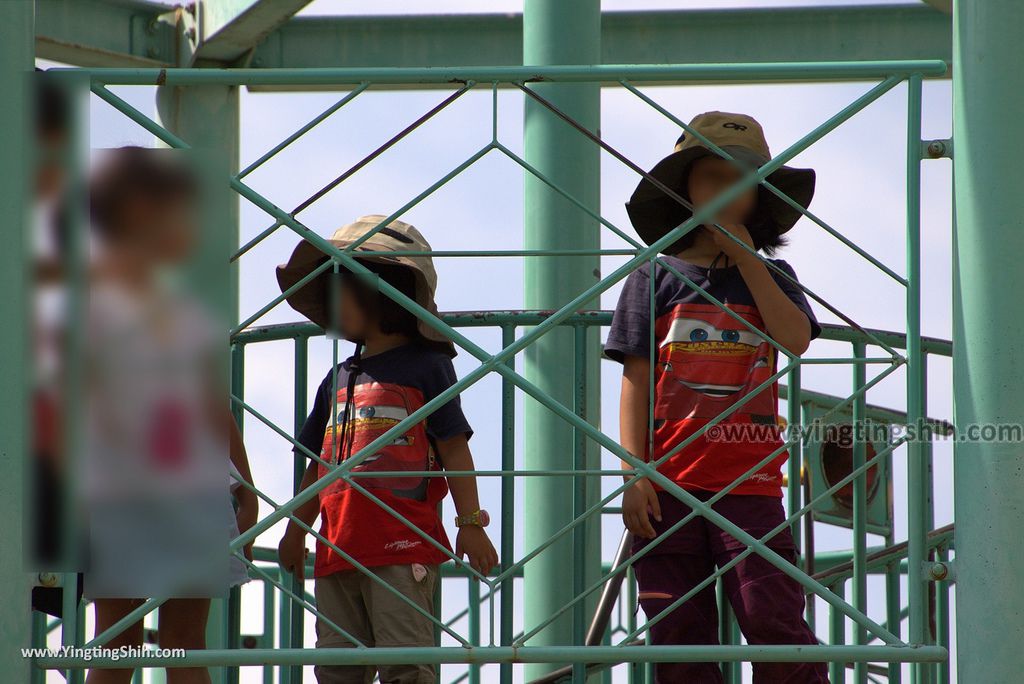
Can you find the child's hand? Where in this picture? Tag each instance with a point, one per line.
(291, 552)
(246, 516)
(472, 541)
(639, 502)
(735, 252)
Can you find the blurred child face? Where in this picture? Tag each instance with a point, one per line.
(163, 231)
(710, 176)
(353, 321)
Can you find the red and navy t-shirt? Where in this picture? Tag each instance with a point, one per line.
(388, 387)
(706, 362)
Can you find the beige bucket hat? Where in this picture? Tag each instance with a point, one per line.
(311, 299)
(654, 214)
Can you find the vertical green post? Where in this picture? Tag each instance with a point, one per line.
(16, 62)
(988, 336)
(859, 585)
(206, 117)
(917, 586)
(508, 514)
(794, 485)
(564, 32)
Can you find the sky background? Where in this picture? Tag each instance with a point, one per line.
(860, 192)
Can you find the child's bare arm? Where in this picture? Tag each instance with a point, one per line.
(248, 504)
(639, 501)
(472, 540)
(291, 552)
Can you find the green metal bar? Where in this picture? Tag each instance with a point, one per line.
(743, 33)
(778, 193)
(267, 638)
(567, 32)
(473, 625)
(942, 612)
(796, 458)
(988, 96)
(928, 505)
(917, 586)
(469, 319)
(590, 73)
(871, 95)
(581, 485)
(508, 515)
(16, 63)
(837, 636)
(73, 370)
(534, 654)
(295, 598)
(859, 583)
(352, 170)
(892, 609)
(759, 547)
(793, 516)
(296, 616)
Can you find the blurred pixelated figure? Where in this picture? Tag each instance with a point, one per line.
(158, 454)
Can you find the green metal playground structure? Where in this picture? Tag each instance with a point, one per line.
(560, 54)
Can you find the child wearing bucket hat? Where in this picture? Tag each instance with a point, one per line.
(399, 365)
(707, 361)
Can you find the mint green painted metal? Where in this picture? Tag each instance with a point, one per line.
(230, 28)
(207, 116)
(567, 32)
(804, 34)
(564, 312)
(15, 66)
(99, 33)
(566, 319)
(917, 586)
(602, 73)
(860, 510)
(528, 655)
(988, 336)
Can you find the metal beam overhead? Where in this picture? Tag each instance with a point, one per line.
(230, 28)
(120, 33)
(104, 33)
(643, 37)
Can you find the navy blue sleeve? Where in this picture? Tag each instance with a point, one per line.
(312, 433)
(448, 420)
(796, 295)
(630, 331)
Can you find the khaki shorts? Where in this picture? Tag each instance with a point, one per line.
(376, 617)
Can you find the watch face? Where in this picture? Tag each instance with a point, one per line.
(485, 518)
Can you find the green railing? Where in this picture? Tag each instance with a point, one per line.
(477, 647)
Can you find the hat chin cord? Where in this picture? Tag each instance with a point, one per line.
(347, 436)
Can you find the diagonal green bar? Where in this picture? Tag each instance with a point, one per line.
(721, 200)
(873, 94)
(610, 497)
(781, 195)
(779, 528)
(359, 567)
(303, 130)
(298, 599)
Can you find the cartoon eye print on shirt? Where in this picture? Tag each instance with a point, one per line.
(716, 361)
(378, 407)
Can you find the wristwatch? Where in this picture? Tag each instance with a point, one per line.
(479, 518)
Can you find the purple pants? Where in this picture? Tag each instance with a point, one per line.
(767, 603)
